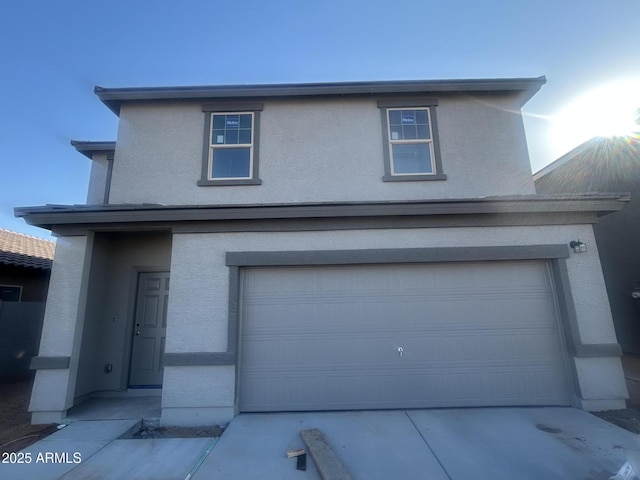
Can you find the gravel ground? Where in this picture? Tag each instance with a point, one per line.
(177, 432)
(629, 418)
(16, 431)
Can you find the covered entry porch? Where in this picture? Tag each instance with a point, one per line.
(107, 311)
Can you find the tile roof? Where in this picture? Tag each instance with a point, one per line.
(25, 250)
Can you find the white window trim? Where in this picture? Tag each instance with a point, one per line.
(412, 141)
(230, 107)
(410, 104)
(213, 147)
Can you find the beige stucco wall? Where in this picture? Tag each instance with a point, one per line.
(198, 306)
(316, 150)
(62, 328)
(101, 313)
(98, 178)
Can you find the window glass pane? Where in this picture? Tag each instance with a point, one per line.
(245, 120)
(232, 121)
(424, 132)
(409, 132)
(218, 137)
(218, 121)
(232, 137)
(412, 158)
(422, 117)
(231, 163)
(9, 294)
(245, 136)
(394, 117)
(396, 132)
(408, 117)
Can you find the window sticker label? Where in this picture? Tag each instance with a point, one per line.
(408, 119)
(232, 122)
(220, 139)
(394, 135)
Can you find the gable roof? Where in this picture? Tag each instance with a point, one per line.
(25, 250)
(114, 97)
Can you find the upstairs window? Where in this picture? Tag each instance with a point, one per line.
(411, 148)
(231, 145)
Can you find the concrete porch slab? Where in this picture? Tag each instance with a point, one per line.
(110, 408)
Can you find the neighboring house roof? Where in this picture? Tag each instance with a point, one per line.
(603, 164)
(567, 157)
(114, 97)
(25, 250)
(88, 148)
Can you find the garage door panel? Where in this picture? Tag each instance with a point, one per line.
(274, 350)
(459, 387)
(472, 334)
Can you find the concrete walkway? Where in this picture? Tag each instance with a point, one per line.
(447, 444)
(93, 450)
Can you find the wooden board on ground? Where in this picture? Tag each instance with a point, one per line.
(327, 463)
(295, 453)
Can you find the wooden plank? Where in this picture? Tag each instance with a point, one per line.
(327, 463)
(295, 453)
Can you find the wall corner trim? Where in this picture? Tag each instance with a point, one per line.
(589, 350)
(49, 363)
(191, 359)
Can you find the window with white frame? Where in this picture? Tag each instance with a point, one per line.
(411, 148)
(231, 148)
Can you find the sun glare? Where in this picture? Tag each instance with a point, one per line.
(609, 110)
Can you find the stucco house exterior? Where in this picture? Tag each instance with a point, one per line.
(323, 246)
(608, 165)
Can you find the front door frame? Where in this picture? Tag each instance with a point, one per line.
(127, 352)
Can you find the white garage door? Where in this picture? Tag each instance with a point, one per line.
(400, 336)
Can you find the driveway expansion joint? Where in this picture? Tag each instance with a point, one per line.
(428, 446)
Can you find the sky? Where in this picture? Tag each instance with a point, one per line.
(53, 54)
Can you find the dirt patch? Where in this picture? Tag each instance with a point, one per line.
(147, 432)
(628, 418)
(16, 431)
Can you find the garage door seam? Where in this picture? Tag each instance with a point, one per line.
(428, 446)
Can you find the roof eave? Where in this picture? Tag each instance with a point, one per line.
(50, 216)
(89, 148)
(114, 97)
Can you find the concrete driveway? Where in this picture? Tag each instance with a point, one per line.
(458, 444)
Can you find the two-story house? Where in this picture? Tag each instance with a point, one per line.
(324, 246)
